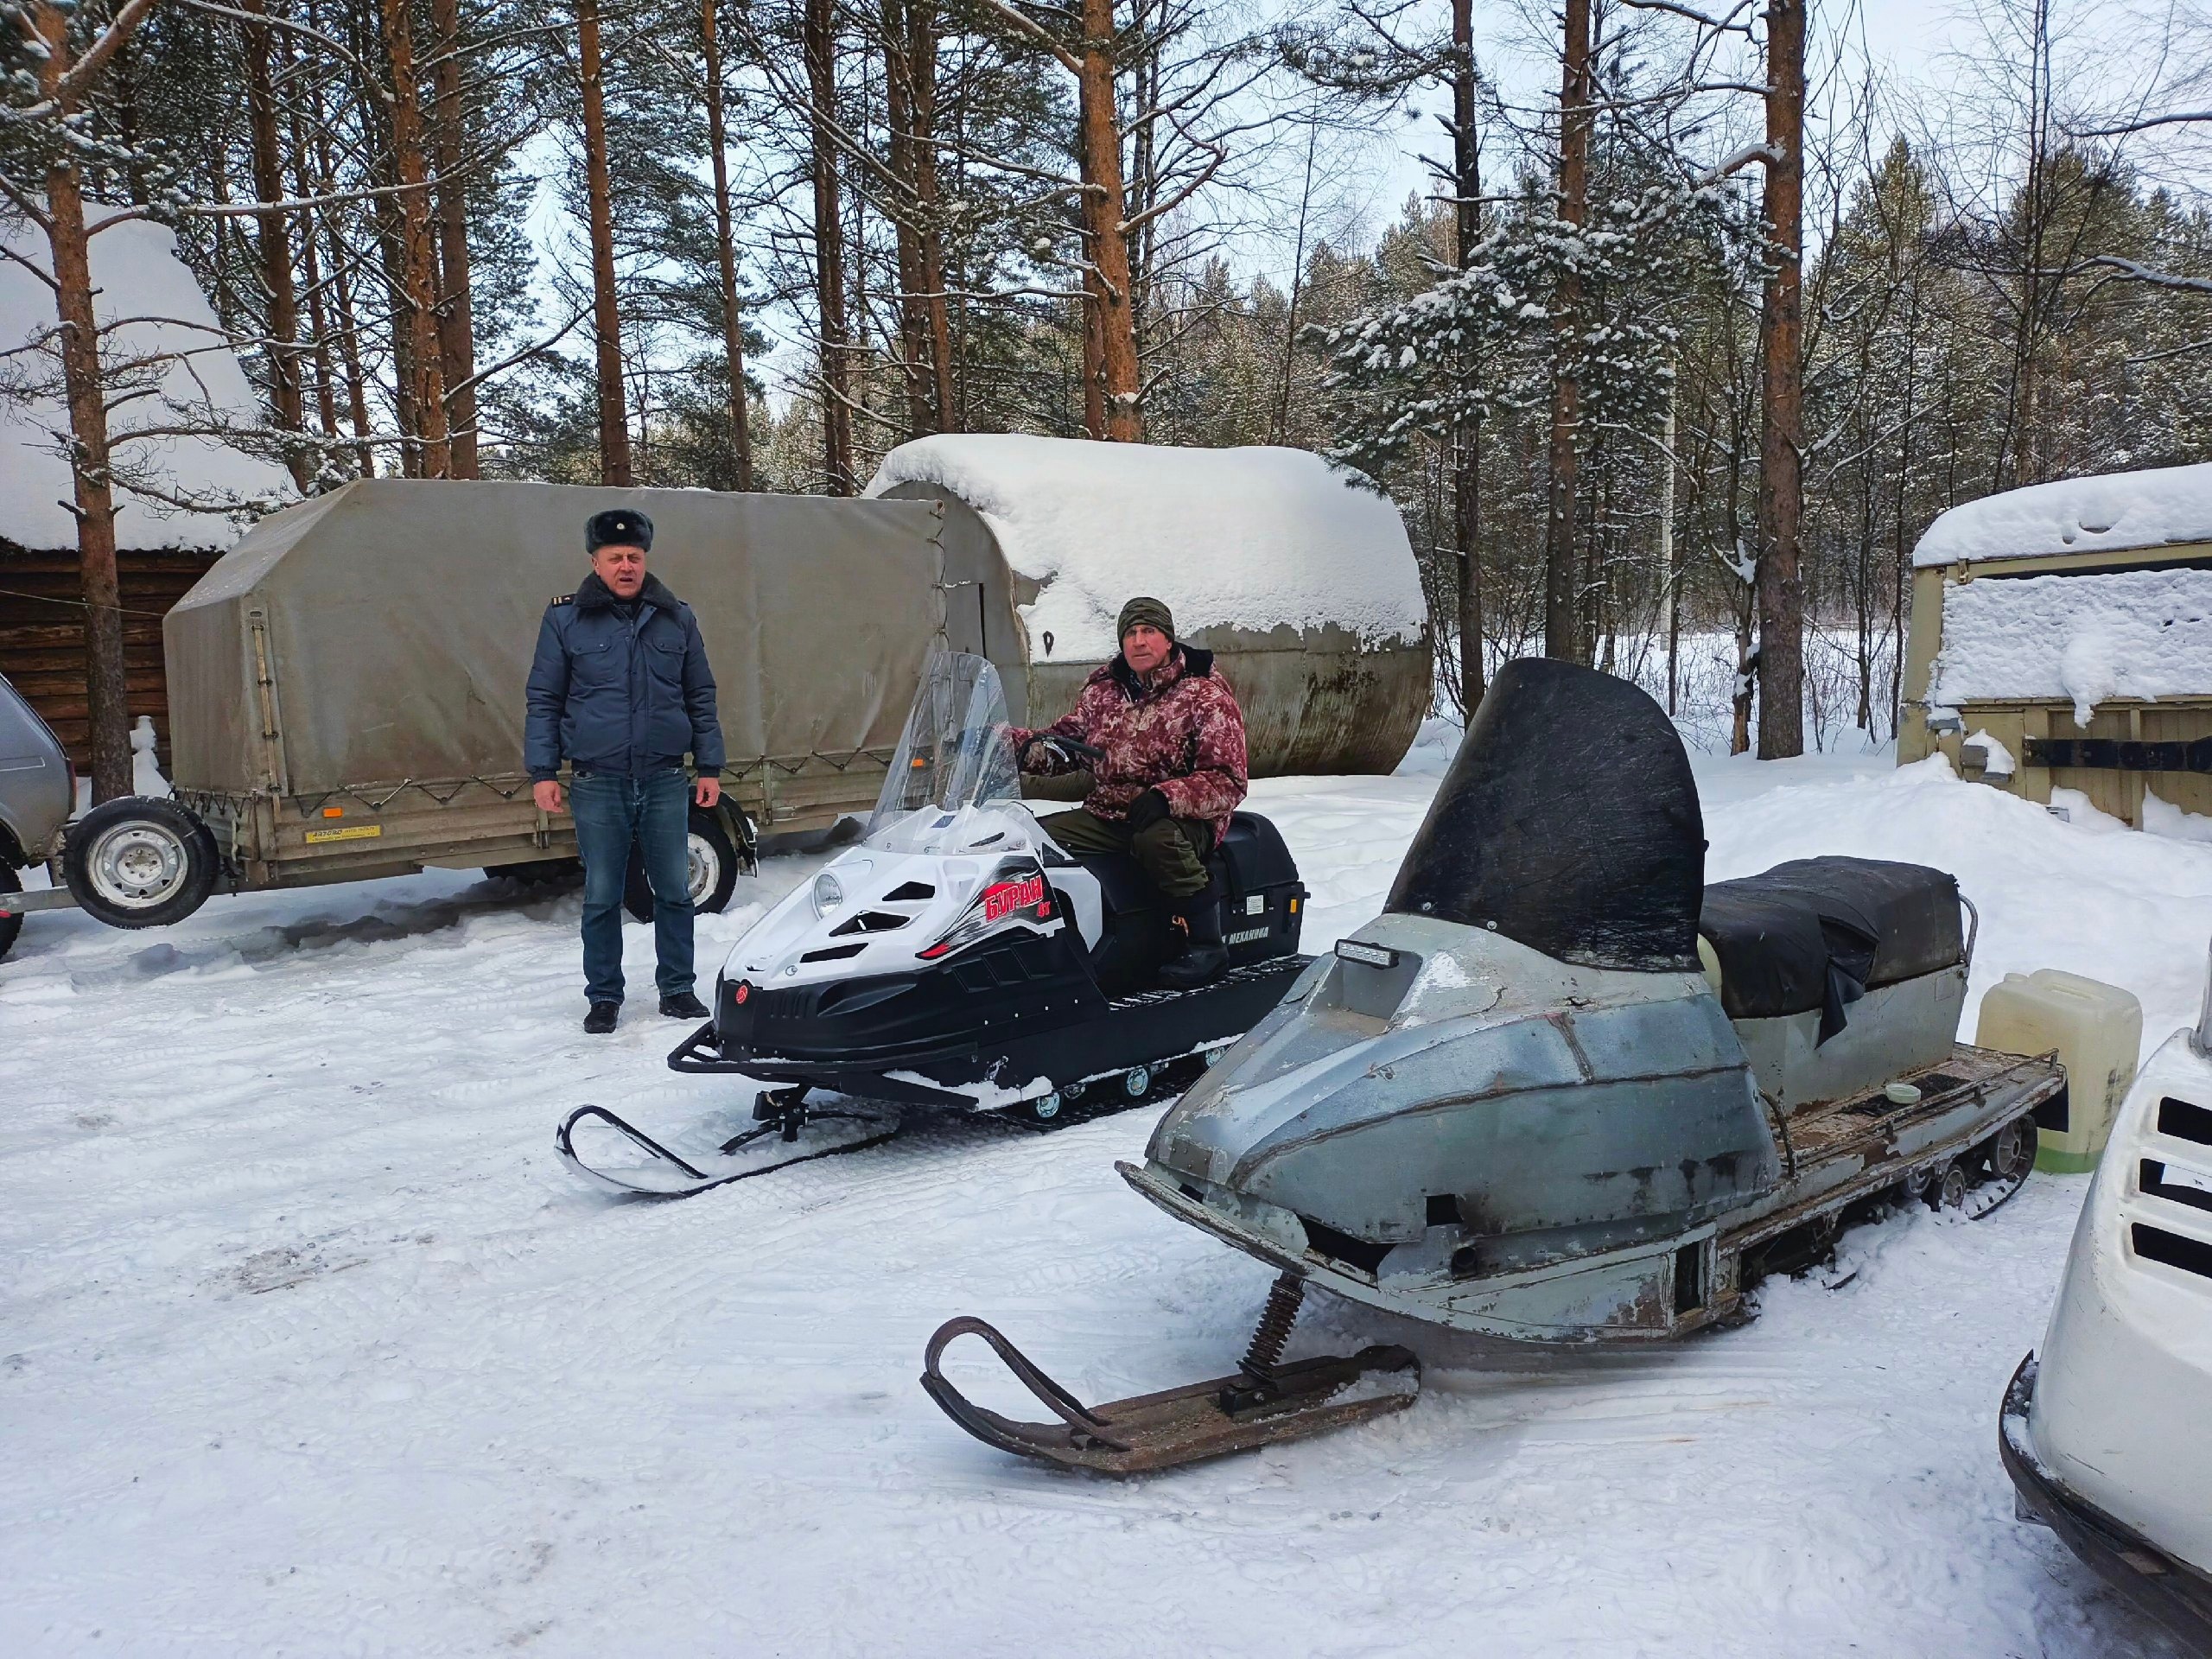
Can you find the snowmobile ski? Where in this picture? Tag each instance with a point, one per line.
(1263, 1401)
(623, 1158)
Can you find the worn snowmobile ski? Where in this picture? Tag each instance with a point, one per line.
(623, 1158)
(1262, 1403)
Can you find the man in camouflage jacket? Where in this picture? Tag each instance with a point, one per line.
(1172, 770)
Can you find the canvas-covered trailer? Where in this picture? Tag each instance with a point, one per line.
(348, 683)
(2061, 638)
(1296, 575)
(348, 680)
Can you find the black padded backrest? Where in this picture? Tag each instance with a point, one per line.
(1253, 854)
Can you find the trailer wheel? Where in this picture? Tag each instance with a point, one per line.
(713, 862)
(12, 927)
(140, 862)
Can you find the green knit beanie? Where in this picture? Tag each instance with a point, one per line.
(1148, 612)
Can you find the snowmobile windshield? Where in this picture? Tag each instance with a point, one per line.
(954, 785)
(1568, 822)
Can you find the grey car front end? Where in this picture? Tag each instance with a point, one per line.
(37, 785)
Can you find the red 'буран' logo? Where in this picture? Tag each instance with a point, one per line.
(1002, 900)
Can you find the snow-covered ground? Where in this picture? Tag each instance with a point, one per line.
(310, 1345)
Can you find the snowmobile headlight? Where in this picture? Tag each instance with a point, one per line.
(1370, 956)
(828, 893)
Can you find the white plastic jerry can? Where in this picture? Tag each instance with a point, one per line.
(2098, 1032)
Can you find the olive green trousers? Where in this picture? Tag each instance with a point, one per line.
(1171, 852)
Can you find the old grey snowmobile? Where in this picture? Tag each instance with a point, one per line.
(1560, 1091)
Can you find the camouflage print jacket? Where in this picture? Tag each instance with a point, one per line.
(1177, 730)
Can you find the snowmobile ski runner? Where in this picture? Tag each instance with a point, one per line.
(623, 1158)
(957, 957)
(1263, 1401)
(1561, 1092)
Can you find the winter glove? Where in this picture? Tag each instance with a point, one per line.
(1147, 810)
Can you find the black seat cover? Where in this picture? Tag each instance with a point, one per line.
(1821, 932)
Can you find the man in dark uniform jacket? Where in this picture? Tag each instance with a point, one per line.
(621, 691)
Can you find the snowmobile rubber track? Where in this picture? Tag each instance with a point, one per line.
(684, 1179)
(1148, 1432)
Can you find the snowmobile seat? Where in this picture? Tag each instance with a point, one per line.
(1819, 933)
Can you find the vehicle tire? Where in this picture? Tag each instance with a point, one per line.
(1045, 1109)
(12, 927)
(140, 862)
(713, 866)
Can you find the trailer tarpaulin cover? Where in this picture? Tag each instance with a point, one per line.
(397, 617)
(1568, 822)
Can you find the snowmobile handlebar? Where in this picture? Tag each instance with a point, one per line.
(1068, 746)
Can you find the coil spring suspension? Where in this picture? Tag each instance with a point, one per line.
(1276, 1319)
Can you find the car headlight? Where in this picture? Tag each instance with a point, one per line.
(827, 894)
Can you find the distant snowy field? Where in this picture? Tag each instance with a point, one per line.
(309, 1344)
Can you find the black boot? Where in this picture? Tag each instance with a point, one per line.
(602, 1019)
(1204, 958)
(683, 1006)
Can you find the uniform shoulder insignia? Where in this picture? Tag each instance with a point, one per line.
(564, 599)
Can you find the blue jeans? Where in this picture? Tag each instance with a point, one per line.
(612, 813)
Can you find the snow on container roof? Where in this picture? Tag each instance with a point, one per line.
(1254, 537)
(2157, 507)
(136, 275)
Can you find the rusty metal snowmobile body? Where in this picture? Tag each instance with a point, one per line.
(1560, 1091)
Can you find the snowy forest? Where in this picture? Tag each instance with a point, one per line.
(1691, 318)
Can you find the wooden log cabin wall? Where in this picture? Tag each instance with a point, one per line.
(42, 634)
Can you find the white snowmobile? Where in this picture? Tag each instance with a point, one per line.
(1560, 1091)
(2103, 1431)
(956, 958)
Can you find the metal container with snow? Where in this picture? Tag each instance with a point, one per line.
(1297, 575)
(2061, 645)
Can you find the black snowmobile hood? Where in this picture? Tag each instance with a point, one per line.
(1568, 822)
